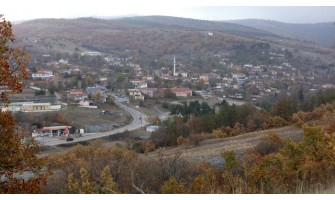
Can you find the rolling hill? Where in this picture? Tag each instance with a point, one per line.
(195, 25)
(153, 35)
(150, 35)
(322, 34)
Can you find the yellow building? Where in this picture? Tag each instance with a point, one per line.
(36, 107)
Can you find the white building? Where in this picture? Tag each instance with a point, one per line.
(152, 128)
(39, 107)
(239, 77)
(42, 75)
(64, 62)
(139, 84)
(182, 74)
(136, 94)
(91, 53)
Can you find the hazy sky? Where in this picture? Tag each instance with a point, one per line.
(15, 10)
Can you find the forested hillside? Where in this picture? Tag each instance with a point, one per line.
(148, 35)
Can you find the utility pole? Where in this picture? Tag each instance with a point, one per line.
(141, 118)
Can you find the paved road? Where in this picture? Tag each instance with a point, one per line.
(139, 120)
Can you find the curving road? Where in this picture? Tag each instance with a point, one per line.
(139, 120)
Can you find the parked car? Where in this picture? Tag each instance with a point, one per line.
(69, 139)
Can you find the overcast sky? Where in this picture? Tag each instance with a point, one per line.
(16, 10)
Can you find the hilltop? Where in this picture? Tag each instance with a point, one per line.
(147, 35)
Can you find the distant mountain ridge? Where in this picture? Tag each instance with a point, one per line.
(195, 24)
(323, 34)
(153, 35)
(148, 35)
(162, 22)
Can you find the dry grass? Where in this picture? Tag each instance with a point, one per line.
(214, 147)
(82, 116)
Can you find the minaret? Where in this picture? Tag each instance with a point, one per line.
(313, 74)
(174, 65)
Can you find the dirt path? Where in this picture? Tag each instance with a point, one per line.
(210, 150)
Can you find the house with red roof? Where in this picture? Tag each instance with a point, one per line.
(181, 92)
(76, 95)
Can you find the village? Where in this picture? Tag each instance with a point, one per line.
(139, 98)
(59, 83)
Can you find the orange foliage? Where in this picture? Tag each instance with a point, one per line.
(15, 156)
(13, 62)
(148, 146)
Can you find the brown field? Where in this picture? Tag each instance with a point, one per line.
(210, 148)
(83, 116)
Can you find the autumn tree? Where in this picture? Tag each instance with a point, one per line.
(269, 144)
(196, 125)
(97, 97)
(85, 185)
(206, 182)
(285, 107)
(110, 100)
(172, 186)
(109, 186)
(231, 177)
(15, 156)
(155, 121)
(297, 167)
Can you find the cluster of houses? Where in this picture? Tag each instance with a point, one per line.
(235, 82)
(82, 97)
(139, 93)
(239, 80)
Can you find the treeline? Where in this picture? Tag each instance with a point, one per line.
(194, 118)
(197, 121)
(193, 108)
(285, 106)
